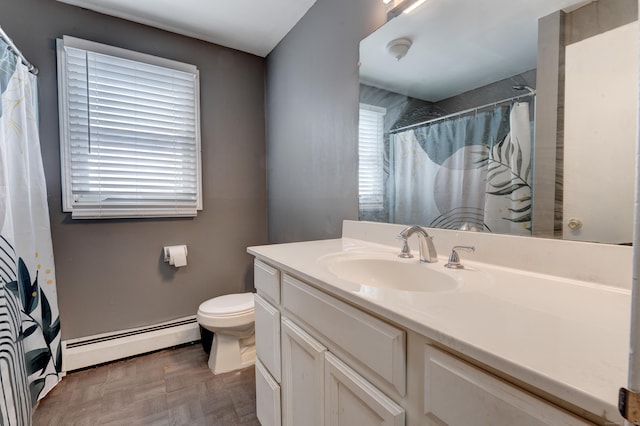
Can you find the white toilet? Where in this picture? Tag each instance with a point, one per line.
(231, 319)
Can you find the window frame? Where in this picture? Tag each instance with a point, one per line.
(98, 210)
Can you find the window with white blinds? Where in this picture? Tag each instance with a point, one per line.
(130, 133)
(370, 151)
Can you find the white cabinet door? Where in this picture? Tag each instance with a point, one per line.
(302, 377)
(267, 397)
(267, 324)
(457, 393)
(351, 400)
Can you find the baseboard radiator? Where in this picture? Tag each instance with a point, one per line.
(93, 350)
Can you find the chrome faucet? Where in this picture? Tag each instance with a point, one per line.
(454, 258)
(427, 249)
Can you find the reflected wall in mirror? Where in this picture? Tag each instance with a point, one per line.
(502, 116)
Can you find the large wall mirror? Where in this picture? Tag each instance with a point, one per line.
(502, 116)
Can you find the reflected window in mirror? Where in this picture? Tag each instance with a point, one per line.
(370, 161)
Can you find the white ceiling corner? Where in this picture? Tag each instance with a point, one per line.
(253, 26)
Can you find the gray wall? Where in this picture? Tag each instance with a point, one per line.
(110, 274)
(312, 115)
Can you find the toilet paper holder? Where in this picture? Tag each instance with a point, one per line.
(167, 254)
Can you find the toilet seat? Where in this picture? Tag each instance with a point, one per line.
(231, 313)
(227, 305)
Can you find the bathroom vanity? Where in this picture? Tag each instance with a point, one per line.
(348, 333)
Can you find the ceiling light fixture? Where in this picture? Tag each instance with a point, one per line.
(399, 47)
(413, 6)
(396, 7)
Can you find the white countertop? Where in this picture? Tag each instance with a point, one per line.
(566, 337)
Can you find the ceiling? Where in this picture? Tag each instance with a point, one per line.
(253, 26)
(457, 45)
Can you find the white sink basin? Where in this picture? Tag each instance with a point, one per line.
(400, 274)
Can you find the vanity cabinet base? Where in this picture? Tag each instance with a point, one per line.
(325, 362)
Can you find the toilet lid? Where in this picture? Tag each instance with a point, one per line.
(228, 304)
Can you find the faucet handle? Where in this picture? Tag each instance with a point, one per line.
(454, 259)
(405, 252)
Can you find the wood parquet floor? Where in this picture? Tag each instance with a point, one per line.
(171, 387)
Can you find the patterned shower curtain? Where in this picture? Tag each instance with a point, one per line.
(471, 172)
(30, 353)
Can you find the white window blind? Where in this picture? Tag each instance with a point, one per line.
(130, 133)
(370, 162)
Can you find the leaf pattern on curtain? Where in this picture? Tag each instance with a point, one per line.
(17, 403)
(42, 356)
(509, 194)
(30, 338)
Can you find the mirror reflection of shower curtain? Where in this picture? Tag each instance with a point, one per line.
(508, 201)
(456, 173)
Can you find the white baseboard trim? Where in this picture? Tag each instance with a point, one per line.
(93, 350)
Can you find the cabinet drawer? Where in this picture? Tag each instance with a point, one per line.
(267, 398)
(457, 393)
(267, 323)
(374, 343)
(267, 281)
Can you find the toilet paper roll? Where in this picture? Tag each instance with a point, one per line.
(176, 255)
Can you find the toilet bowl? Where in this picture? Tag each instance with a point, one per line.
(231, 319)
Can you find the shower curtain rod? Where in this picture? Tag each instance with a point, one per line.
(12, 47)
(466, 111)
